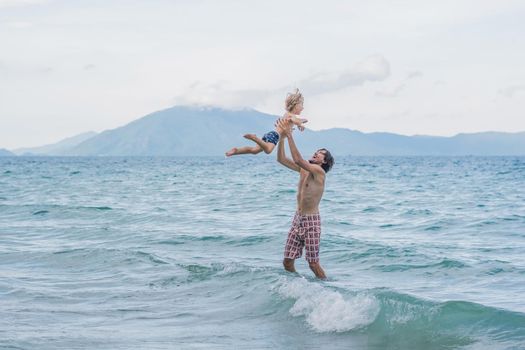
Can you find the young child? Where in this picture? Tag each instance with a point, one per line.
(294, 107)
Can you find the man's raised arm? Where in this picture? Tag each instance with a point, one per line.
(281, 156)
(298, 159)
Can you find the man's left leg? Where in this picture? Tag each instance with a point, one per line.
(317, 270)
(312, 242)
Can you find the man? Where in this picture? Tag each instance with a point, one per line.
(306, 226)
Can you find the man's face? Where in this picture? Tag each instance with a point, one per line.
(318, 157)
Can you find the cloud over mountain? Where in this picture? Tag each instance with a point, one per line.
(371, 69)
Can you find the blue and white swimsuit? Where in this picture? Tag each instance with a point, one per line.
(271, 137)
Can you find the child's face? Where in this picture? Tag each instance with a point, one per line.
(298, 108)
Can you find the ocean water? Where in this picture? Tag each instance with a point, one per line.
(185, 253)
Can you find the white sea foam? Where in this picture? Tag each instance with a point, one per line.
(327, 310)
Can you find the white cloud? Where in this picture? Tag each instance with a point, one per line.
(394, 91)
(412, 17)
(414, 74)
(390, 93)
(19, 24)
(512, 90)
(371, 69)
(13, 3)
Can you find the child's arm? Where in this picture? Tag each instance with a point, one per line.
(296, 120)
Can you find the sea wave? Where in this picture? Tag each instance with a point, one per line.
(395, 320)
(405, 319)
(327, 310)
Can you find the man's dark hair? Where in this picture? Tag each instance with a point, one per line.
(328, 160)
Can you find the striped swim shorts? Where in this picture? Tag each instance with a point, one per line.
(304, 233)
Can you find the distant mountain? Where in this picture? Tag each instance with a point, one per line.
(56, 148)
(178, 131)
(6, 153)
(188, 131)
(345, 141)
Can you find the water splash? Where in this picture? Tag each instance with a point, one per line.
(327, 310)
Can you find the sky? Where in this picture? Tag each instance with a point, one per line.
(408, 67)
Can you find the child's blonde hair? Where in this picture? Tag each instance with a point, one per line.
(293, 99)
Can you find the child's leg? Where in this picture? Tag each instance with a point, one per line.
(244, 150)
(267, 147)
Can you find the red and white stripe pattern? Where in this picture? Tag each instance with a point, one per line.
(305, 232)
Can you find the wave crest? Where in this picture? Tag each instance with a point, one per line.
(326, 310)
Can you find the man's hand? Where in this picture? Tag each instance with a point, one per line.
(285, 125)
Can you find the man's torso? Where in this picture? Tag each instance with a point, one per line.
(309, 193)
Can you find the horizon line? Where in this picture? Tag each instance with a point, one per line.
(208, 107)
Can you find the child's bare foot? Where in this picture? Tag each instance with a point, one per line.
(231, 152)
(252, 137)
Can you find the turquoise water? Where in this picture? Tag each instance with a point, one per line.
(181, 253)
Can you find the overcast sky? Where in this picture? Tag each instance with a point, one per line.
(409, 67)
